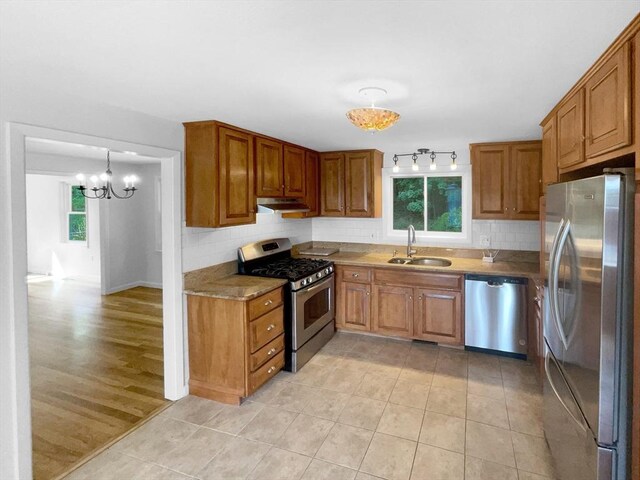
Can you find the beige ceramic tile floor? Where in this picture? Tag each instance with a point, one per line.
(363, 408)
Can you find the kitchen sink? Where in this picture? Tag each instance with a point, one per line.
(399, 260)
(431, 261)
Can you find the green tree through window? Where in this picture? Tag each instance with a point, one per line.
(77, 216)
(443, 210)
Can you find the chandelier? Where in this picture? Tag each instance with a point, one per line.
(372, 119)
(105, 190)
(424, 151)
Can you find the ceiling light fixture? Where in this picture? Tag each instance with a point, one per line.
(106, 190)
(423, 151)
(372, 119)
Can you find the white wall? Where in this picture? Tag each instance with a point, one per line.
(48, 252)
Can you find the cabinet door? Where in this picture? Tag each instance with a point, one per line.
(294, 172)
(311, 178)
(393, 310)
(525, 170)
(358, 184)
(332, 184)
(269, 175)
(355, 306)
(438, 316)
(490, 171)
(237, 198)
(549, 153)
(570, 120)
(607, 104)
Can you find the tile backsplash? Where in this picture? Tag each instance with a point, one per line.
(205, 247)
(504, 234)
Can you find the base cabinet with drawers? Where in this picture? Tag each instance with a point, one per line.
(235, 346)
(410, 304)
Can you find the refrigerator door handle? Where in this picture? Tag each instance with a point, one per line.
(554, 309)
(562, 236)
(547, 359)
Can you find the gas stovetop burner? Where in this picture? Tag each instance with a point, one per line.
(292, 269)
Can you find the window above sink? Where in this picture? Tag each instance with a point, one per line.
(436, 203)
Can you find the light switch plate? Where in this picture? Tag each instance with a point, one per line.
(485, 241)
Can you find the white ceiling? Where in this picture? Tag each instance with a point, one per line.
(457, 71)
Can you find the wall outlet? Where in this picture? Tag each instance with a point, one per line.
(485, 241)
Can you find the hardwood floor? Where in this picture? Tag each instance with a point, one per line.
(96, 368)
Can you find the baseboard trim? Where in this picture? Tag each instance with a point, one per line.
(127, 286)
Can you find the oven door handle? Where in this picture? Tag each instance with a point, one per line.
(315, 287)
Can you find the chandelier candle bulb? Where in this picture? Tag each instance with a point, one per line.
(94, 179)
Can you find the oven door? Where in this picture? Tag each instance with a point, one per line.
(313, 308)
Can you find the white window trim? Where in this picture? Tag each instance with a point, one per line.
(67, 212)
(423, 237)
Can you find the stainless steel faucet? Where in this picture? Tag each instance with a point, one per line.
(411, 238)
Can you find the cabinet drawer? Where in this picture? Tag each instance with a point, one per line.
(355, 274)
(261, 305)
(264, 373)
(266, 328)
(419, 279)
(270, 350)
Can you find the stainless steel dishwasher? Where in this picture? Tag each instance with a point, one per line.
(495, 311)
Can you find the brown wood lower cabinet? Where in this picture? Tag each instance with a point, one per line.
(235, 346)
(411, 304)
(393, 310)
(438, 316)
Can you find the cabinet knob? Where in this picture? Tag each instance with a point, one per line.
(271, 352)
(420, 297)
(268, 302)
(368, 293)
(355, 275)
(271, 370)
(506, 209)
(514, 209)
(270, 327)
(410, 297)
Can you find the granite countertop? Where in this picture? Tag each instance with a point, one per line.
(232, 287)
(458, 264)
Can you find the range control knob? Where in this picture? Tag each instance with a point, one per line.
(330, 269)
(318, 275)
(310, 279)
(303, 282)
(326, 271)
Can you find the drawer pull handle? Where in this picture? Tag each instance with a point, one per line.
(355, 275)
(268, 302)
(271, 369)
(270, 327)
(271, 352)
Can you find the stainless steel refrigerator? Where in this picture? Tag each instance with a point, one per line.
(587, 325)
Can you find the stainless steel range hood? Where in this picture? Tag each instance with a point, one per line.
(270, 205)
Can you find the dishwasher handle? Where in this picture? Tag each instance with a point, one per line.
(495, 283)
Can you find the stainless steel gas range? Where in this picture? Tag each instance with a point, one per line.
(309, 296)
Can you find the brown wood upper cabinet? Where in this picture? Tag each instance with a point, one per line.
(219, 175)
(269, 168)
(311, 198)
(549, 153)
(607, 105)
(280, 169)
(506, 180)
(570, 120)
(351, 184)
(593, 121)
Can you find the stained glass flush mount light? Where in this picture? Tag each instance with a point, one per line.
(372, 119)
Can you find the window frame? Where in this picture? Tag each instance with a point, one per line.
(67, 215)
(423, 236)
